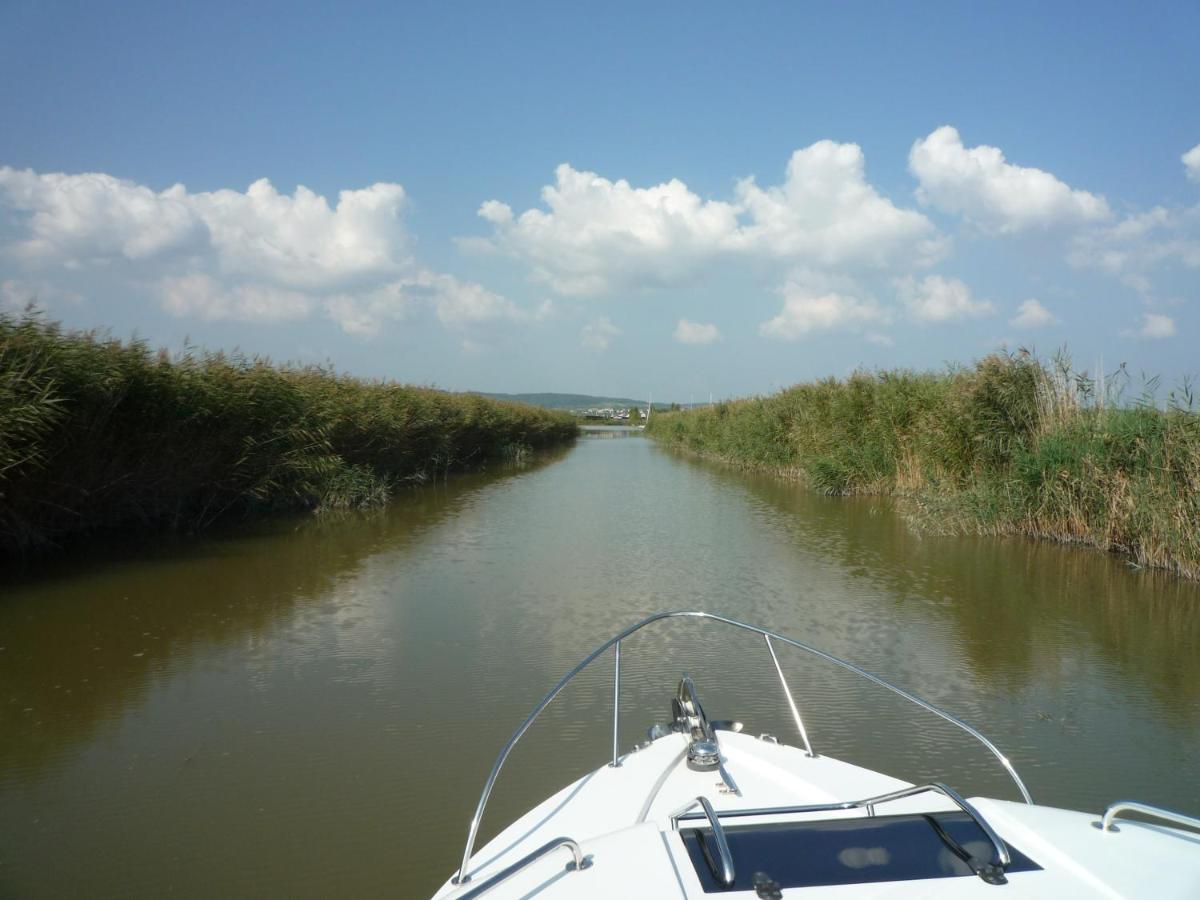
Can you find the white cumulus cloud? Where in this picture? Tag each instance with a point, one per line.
(1191, 163)
(688, 332)
(806, 311)
(1140, 243)
(827, 213)
(598, 333)
(16, 295)
(298, 240)
(456, 303)
(464, 302)
(301, 240)
(200, 296)
(1156, 325)
(1031, 314)
(83, 218)
(979, 184)
(939, 299)
(595, 235)
(253, 256)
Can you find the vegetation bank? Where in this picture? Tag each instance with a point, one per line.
(98, 434)
(1010, 445)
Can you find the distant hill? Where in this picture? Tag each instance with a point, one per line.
(571, 401)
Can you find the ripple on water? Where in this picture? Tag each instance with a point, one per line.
(317, 703)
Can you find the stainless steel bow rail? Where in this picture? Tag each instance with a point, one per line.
(464, 876)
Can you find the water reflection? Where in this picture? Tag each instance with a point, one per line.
(311, 707)
(1017, 604)
(83, 645)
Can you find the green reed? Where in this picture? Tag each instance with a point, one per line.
(99, 434)
(1009, 445)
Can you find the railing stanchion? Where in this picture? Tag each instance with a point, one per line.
(787, 691)
(616, 699)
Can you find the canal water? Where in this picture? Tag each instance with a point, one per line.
(310, 708)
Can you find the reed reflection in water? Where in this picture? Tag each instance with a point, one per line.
(311, 707)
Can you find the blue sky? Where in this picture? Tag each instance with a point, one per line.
(677, 199)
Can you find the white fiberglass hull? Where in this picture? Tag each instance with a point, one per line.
(621, 819)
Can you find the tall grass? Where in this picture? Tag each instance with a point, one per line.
(99, 434)
(1010, 445)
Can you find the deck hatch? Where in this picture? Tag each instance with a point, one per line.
(847, 851)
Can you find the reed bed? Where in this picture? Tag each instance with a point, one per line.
(98, 434)
(1011, 445)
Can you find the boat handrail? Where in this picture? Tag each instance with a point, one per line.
(867, 803)
(615, 641)
(1156, 812)
(579, 862)
(726, 876)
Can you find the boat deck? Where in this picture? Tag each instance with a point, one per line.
(623, 819)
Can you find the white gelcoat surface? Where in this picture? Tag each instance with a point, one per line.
(620, 817)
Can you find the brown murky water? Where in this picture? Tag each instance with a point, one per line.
(311, 708)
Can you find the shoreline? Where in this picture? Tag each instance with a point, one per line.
(1011, 446)
(100, 436)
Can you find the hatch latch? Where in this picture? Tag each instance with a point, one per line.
(766, 887)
